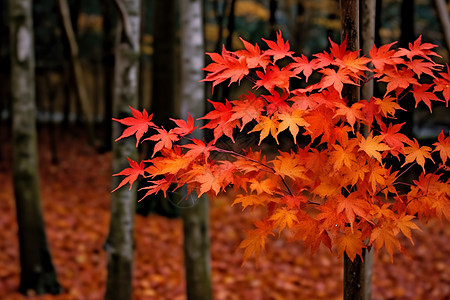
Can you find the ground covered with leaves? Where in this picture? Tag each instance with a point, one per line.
(76, 199)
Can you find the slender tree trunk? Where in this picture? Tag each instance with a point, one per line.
(77, 69)
(444, 20)
(368, 18)
(37, 271)
(356, 287)
(195, 218)
(109, 17)
(119, 244)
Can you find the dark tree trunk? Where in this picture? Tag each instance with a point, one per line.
(355, 284)
(37, 271)
(407, 36)
(108, 41)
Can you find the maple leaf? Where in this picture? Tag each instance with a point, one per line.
(372, 145)
(253, 55)
(159, 185)
(220, 120)
(404, 224)
(352, 114)
(302, 64)
(293, 121)
(350, 243)
(165, 139)
(416, 153)
(330, 218)
(139, 124)
(420, 94)
(199, 148)
(352, 206)
(383, 236)
(343, 156)
(355, 64)
(419, 66)
(225, 66)
(383, 56)
(274, 77)
(252, 200)
(443, 85)
(184, 127)
(387, 106)
(393, 138)
(131, 173)
(283, 217)
(208, 181)
(398, 79)
(289, 164)
(276, 102)
(278, 50)
(443, 146)
(418, 49)
(256, 239)
(336, 79)
(247, 108)
(266, 125)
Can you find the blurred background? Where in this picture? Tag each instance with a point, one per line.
(76, 43)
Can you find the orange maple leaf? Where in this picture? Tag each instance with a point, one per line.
(253, 55)
(416, 153)
(383, 236)
(372, 145)
(266, 125)
(165, 139)
(293, 121)
(283, 217)
(256, 239)
(350, 243)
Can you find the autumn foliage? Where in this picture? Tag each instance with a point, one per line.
(338, 186)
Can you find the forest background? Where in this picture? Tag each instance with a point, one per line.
(75, 162)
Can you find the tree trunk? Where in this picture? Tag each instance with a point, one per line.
(37, 271)
(444, 20)
(109, 18)
(356, 287)
(119, 244)
(195, 218)
(77, 69)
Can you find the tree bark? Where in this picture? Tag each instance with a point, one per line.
(444, 20)
(356, 285)
(119, 245)
(37, 271)
(77, 69)
(195, 218)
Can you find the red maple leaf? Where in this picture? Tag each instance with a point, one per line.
(139, 124)
(225, 66)
(253, 55)
(442, 84)
(418, 49)
(278, 50)
(420, 94)
(131, 173)
(184, 127)
(164, 139)
(301, 64)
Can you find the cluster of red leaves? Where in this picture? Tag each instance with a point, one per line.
(77, 219)
(337, 190)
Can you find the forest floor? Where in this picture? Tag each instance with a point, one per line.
(76, 199)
